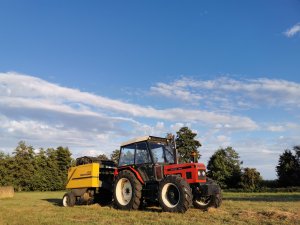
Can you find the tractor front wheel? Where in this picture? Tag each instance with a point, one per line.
(127, 191)
(205, 202)
(174, 194)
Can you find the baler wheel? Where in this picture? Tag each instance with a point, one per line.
(69, 200)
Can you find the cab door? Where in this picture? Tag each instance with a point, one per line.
(143, 161)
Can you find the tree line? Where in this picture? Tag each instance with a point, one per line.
(28, 169)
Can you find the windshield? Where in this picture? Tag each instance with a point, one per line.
(161, 153)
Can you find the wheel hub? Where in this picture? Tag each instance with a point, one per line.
(170, 195)
(124, 191)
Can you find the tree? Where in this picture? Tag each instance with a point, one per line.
(24, 166)
(115, 155)
(52, 172)
(288, 168)
(297, 153)
(5, 173)
(250, 179)
(63, 158)
(102, 157)
(186, 144)
(224, 166)
(30, 170)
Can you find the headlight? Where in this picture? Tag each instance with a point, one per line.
(201, 173)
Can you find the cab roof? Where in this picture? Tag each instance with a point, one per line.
(144, 138)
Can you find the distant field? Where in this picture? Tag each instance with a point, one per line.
(238, 208)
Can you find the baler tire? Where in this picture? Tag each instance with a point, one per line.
(69, 200)
(174, 194)
(127, 191)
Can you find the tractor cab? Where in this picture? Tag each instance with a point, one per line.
(146, 156)
(152, 158)
(147, 149)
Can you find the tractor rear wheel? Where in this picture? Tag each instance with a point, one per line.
(127, 191)
(175, 194)
(69, 200)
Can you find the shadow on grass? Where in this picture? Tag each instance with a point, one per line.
(151, 209)
(266, 198)
(58, 202)
(54, 201)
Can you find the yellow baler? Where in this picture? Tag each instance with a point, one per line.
(84, 176)
(90, 180)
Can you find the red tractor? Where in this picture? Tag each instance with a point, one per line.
(148, 173)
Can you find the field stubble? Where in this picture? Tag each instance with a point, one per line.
(34, 208)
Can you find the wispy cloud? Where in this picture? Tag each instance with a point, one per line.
(175, 91)
(292, 31)
(28, 93)
(230, 93)
(45, 113)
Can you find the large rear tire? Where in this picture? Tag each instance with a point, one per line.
(175, 194)
(127, 191)
(69, 200)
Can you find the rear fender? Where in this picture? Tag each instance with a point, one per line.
(134, 171)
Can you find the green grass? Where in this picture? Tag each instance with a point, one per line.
(34, 208)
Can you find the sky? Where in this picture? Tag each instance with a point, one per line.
(92, 74)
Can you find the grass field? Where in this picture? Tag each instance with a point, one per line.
(238, 208)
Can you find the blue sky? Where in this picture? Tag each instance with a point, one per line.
(91, 74)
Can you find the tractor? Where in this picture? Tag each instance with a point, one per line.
(147, 174)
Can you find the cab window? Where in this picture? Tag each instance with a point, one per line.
(127, 155)
(142, 153)
(157, 153)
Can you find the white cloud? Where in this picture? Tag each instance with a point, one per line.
(292, 31)
(174, 91)
(31, 93)
(231, 94)
(282, 127)
(160, 125)
(49, 115)
(223, 140)
(275, 128)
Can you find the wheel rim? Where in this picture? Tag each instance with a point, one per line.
(170, 195)
(203, 201)
(65, 201)
(124, 191)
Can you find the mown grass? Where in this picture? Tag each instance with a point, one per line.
(34, 208)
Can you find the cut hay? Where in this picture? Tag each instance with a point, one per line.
(7, 192)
